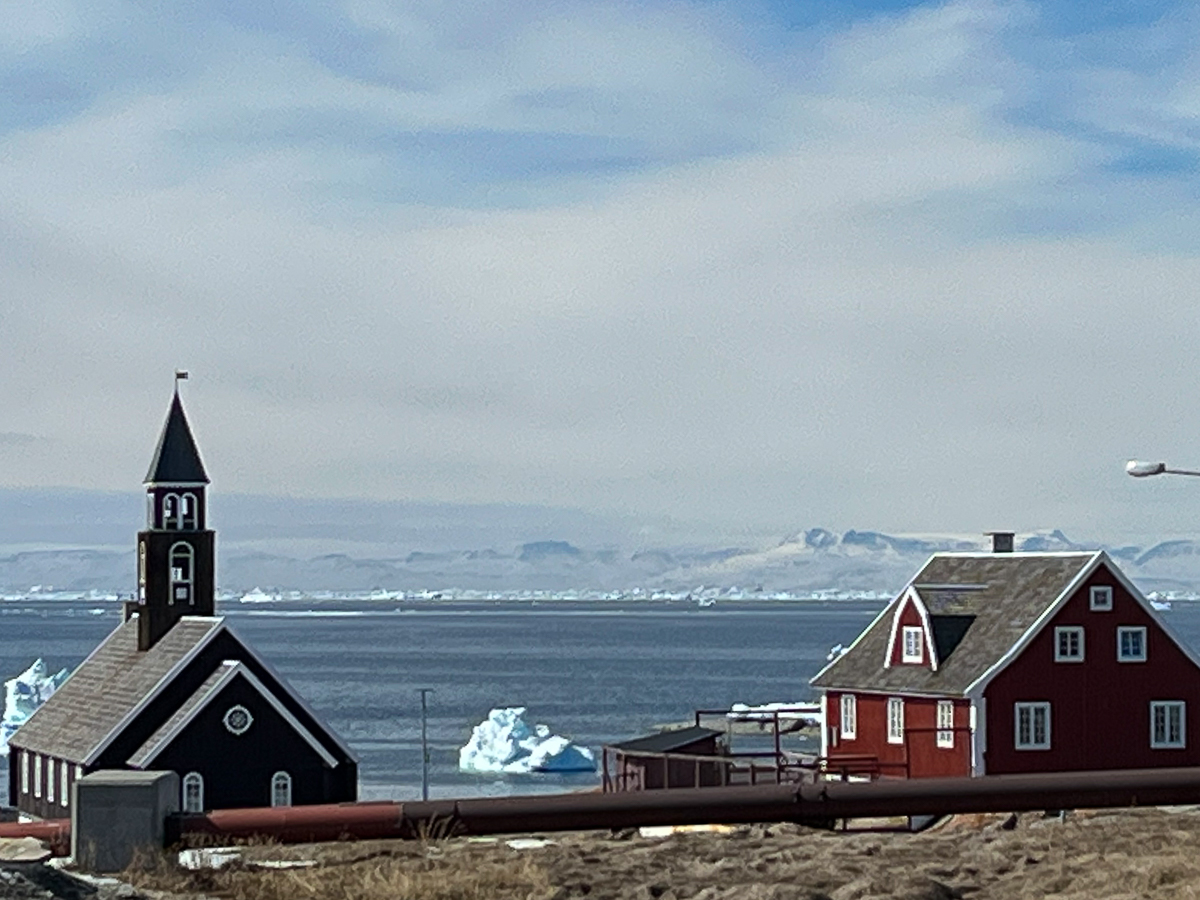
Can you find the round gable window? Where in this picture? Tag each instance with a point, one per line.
(238, 719)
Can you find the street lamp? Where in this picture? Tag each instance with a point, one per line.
(1146, 469)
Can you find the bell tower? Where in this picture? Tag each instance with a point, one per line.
(175, 553)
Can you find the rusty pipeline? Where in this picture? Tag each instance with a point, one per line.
(55, 832)
(819, 804)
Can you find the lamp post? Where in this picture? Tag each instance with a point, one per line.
(1146, 469)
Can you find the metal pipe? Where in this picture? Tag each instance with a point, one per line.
(55, 832)
(817, 804)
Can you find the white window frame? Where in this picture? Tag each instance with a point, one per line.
(51, 778)
(182, 563)
(189, 780)
(281, 789)
(1032, 710)
(25, 772)
(1065, 632)
(37, 775)
(895, 720)
(1167, 707)
(849, 723)
(189, 512)
(917, 634)
(945, 724)
(64, 785)
(1100, 598)
(1122, 631)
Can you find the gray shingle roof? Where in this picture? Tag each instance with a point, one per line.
(176, 458)
(979, 607)
(108, 687)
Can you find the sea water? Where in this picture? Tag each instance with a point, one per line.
(596, 671)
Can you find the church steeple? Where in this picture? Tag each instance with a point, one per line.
(175, 552)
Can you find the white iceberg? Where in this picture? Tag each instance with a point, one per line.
(23, 695)
(503, 742)
(807, 713)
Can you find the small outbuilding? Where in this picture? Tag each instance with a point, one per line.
(683, 757)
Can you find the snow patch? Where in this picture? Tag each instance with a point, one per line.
(23, 695)
(809, 713)
(504, 742)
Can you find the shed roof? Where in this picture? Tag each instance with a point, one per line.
(980, 605)
(176, 458)
(110, 687)
(666, 741)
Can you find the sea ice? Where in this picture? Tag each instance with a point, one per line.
(23, 695)
(503, 742)
(809, 713)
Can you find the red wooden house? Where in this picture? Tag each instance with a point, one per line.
(991, 663)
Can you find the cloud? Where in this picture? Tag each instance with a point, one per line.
(878, 272)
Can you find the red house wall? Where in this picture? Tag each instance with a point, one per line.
(1100, 708)
(919, 756)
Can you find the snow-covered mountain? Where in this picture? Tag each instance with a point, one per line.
(808, 561)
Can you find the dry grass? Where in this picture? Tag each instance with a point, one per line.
(1129, 854)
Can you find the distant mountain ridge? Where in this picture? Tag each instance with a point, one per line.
(809, 561)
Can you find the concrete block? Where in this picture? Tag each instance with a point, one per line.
(116, 814)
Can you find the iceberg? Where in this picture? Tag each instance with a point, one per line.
(504, 742)
(805, 713)
(23, 695)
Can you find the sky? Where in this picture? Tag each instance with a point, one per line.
(921, 267)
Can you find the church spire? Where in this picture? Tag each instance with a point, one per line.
(176, 459)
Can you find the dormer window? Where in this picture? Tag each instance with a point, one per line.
(913, 643)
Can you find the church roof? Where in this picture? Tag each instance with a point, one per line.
(110, 688)
(176, 459)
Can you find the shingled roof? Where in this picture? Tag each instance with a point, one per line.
(109, 687)
(980, 605)
(176, 459)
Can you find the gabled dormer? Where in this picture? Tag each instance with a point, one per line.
(911, 642)
(175, 552)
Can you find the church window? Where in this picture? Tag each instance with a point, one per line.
(190, 513)
(181, 573)
(238, 720)
(141, 572)
(37, 775)
(64, 787)
(51, 777)
(281, 789)
(24, 771)
(193, 792)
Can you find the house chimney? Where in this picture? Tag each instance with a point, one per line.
(1002, 541)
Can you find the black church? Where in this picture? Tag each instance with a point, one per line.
(173, 687)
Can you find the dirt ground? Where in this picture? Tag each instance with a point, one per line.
(1127, 854)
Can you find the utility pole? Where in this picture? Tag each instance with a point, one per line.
(424, 743)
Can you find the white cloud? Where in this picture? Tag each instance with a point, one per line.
(838, 325)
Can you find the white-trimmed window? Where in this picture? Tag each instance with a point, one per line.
(281, 789)
(1167, 724)
(849, 716)
(24, 771)
(193, 792)
(912, 651)
(1032, 726)
(181, 573)
(170, 512)
(37, 775)
(1100, 599)
(189, 516)
(1131, 643)
(945, 723)
(64, 787)
(1068, 643)
(51, 778)
(895, 713)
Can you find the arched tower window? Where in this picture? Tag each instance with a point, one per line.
(172, 518)
(193, 792)
(141, 572)
(189, 512)
(281, 789)
(182, 573)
